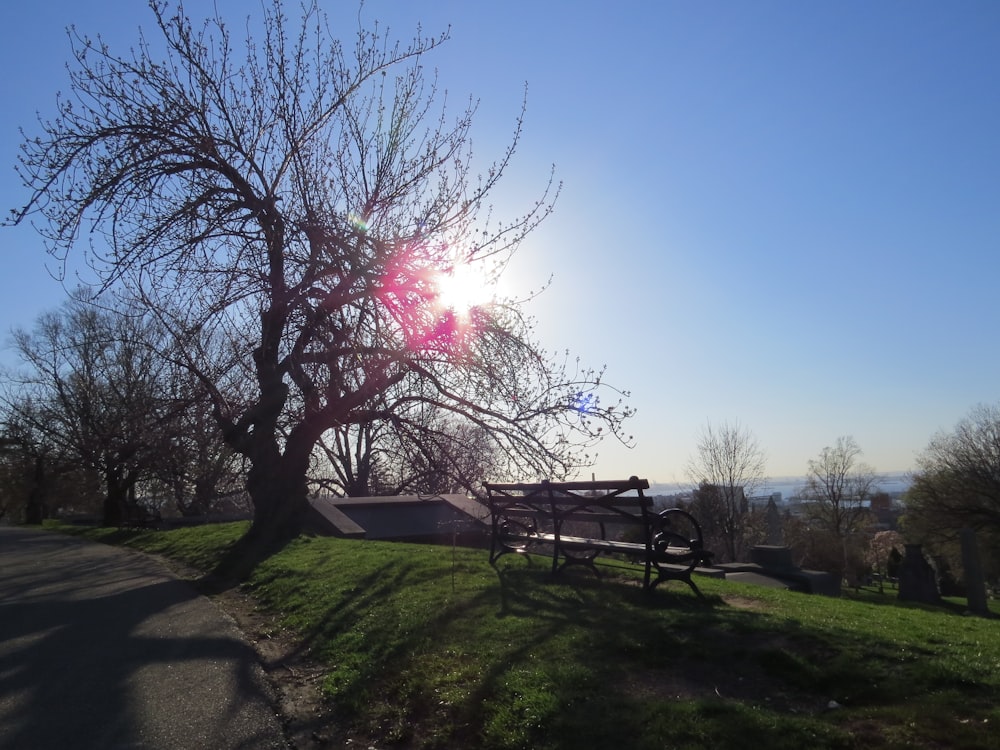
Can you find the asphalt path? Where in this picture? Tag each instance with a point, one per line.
(102, 647)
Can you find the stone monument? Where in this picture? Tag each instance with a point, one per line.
(774, 531)
(917, 580)
(975, 584)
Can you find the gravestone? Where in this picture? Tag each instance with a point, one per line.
(975, 584)
(774, 533)
(772, 556)
(917, 581)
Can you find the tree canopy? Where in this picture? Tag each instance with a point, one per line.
(958, 483)
(287, 208)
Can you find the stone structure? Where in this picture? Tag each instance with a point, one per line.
(775, 535)
(441, 519)
(975, 584)
(917, 580)
(771, 565)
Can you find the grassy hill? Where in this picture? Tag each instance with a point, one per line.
(430, 647)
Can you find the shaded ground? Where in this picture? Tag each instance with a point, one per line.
(310, 723)
(101, 647)
(296, 679)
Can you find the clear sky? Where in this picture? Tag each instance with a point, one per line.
(782, 214)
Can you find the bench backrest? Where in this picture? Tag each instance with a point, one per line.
(606, 501)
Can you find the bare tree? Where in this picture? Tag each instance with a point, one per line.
(202, 473)
(837, 486)
(728, 467)
(90, 392)
(447, 455)
(352, 461)
(425, 451)
(300, 201)
(26, 469)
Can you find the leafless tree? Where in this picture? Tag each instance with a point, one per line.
(837, 486)
(298, 199)
(25, 471)
(423, 451)
(447, 455)
(89, 391)
(728, 467)
(351, 462)
(201, 472)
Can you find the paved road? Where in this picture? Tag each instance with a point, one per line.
(103, 648)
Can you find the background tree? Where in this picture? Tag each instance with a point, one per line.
(200, 472)
(418, 453)
(417, 448)
(837, 485)
(354, 462)
(728, 466)
(89, 393)
(26, 472)
(37, 482)
(450, 456)
(957, 486)
(813, 547)
(302, 200)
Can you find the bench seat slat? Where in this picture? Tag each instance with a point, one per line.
(610, 545)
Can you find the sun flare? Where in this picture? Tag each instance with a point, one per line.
(462, 288)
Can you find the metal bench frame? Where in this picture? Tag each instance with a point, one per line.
(572, 518)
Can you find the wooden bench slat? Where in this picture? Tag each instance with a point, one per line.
(566, 503)
(633, 483)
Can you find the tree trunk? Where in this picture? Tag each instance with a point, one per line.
(115, 498)
(204, 496)
(279, 493)
(34, 511)
(279, 497)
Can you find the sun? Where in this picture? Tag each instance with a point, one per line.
(463, 288)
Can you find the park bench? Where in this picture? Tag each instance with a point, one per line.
(575, 522)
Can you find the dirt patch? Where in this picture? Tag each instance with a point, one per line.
(691, 679)
(742, 602)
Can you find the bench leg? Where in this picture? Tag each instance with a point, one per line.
(684, 576)
(568, 560)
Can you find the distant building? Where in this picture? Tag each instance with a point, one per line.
(761, 501)
(886, 511)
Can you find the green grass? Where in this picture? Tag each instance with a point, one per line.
(431, 647)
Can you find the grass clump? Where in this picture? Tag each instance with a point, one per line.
(430, 647)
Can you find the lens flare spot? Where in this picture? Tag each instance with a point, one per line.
(357, 222)
(584, 403)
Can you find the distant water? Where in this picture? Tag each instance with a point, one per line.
(790, 486)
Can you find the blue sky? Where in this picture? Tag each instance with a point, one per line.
(781, 214)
